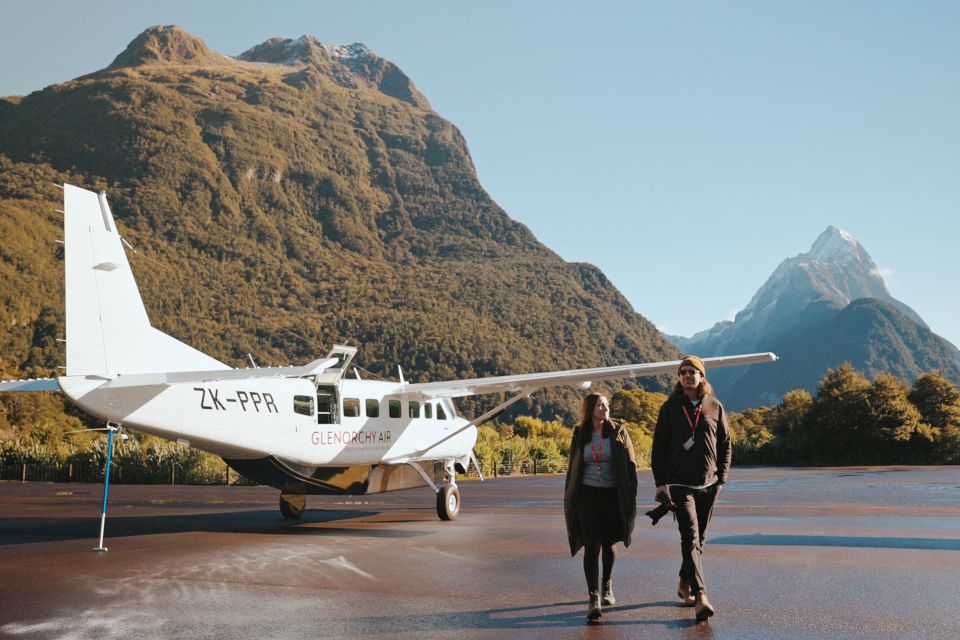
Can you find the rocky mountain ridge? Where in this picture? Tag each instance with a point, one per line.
(835, 289)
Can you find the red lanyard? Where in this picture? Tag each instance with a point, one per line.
(696, 417)
(596, 456)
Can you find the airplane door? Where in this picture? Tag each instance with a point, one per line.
(326, 405)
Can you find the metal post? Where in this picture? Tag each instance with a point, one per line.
(106, 485)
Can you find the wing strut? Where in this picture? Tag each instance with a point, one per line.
(473, 423)
(476, 464)
(423, 474)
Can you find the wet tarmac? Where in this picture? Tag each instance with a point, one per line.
(793, 553)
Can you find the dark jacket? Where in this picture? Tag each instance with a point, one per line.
(625, 469)
(709, 457)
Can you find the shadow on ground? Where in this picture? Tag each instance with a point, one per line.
(557, 615)
(27, 530)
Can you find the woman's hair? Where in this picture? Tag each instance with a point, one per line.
(585, 430)
(702, 389)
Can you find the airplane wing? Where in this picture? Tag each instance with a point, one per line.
(33, 384)
(529, 382)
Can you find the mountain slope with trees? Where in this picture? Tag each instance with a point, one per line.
(295, 196)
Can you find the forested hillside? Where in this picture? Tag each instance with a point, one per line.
(296, 196)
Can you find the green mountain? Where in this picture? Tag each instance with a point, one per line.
(295, 196)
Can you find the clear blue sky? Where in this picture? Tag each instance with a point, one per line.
(685, 148)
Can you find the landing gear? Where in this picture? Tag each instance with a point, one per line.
(448, 502)
(448, 496)
(292, 505)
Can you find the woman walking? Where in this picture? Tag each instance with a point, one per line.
(600, 495)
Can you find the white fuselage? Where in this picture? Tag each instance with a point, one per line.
(347, 423)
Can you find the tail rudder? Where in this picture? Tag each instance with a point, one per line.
(108, 331)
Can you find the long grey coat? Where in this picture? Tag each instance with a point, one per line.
(625, 468)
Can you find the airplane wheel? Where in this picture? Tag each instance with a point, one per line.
(448, 502)
(292, 505)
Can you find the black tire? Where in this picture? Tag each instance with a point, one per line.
(448, 502)
(292, 505)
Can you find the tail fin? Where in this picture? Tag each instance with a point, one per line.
(108, 332)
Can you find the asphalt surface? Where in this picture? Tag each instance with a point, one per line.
(792, 553)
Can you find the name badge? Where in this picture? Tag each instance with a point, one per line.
(688, 444)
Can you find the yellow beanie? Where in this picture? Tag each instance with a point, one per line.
(694, 362)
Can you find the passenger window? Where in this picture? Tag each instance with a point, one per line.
(351, 408)
(428, 410)
(303, 405)
(441, 414)
(394, 408)
(451, 411)
(373, 408)
(414, 409)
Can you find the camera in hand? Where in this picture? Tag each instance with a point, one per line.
(666, 506)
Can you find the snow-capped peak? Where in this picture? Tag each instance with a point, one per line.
(835, 245)
(354, 51)
(303, 50)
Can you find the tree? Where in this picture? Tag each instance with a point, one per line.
(939, 404)
(750, 434)
(891, 421)
(488, 443)
(548, 442)
(637, 406)
(788, 423)
(948, 445)
(937, 400)
(838, 417)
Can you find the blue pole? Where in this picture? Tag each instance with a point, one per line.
(106, 485)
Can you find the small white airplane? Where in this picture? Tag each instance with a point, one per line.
(303, 430)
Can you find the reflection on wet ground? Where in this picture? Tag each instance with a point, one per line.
(792, 553)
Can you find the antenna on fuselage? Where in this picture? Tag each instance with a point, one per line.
(252, 362)
(402, 381)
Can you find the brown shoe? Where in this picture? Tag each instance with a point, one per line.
(703, 607)
(683, 592)
(594, 611)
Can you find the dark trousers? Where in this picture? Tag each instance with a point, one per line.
(694, 509)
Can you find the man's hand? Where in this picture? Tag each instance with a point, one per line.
(662, 489)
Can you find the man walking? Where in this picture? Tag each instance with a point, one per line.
(691, 458)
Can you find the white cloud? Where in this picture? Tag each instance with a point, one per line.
(889, 276)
